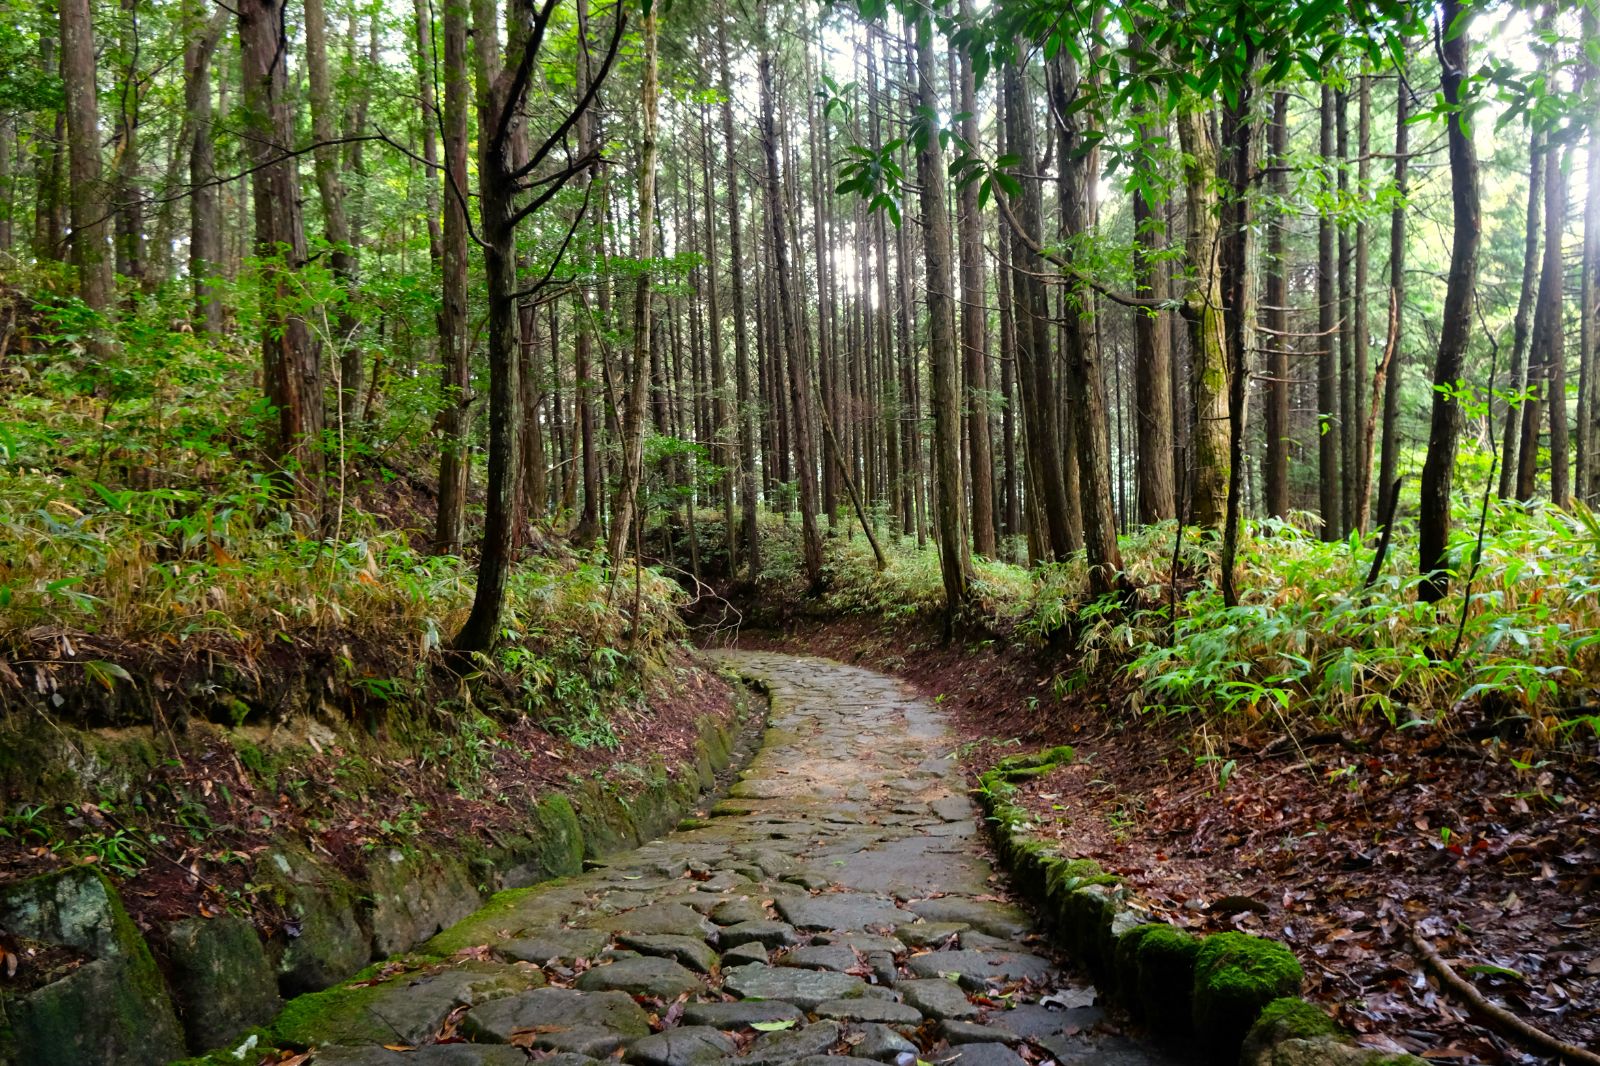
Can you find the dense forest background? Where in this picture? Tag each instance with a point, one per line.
(378, 305)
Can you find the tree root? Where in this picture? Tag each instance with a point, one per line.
(1498, 1017)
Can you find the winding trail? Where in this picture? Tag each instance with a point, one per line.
(837, 904)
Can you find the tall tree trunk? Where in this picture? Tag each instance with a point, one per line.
(974, 324)
(1588, 475)
(1555, 345)
(1085, 378)
(1517, 381)
(330, 187)
(1389, 461)
(625, 510)
(943, 366)
(291, 355)
(1152, 354)
(1348, 385)
(1040, 418)
(205, 202)
(423, 16)
(1328, 425)
(1277, 316)
(745, 404)
(455, 384)
(1359, 361)
(49, 134)
(1236, 262)
(1203, 309)
(789, 316)
(90, 211)
(130, 218)
(1454, 45)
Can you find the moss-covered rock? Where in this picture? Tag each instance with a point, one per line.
(1164, 983)
(222, 980)
(607, 823)
(325, 942)
(1324, 1051)
(412, 897)
(113, 1010)
(1235, 977)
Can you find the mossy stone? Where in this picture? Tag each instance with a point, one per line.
(221, 979)
(329, 943)
(607, 823)
(1165, 980)
(412, 897)
(1235, 977)
(114, 1009)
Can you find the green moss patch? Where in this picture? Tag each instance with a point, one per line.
(1235, 977)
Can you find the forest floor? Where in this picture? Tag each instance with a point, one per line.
(1337, 844)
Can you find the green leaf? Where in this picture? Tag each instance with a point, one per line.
(772, 1027)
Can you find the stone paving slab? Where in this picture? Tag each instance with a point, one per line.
(844, 885)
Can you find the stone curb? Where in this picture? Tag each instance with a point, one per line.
(1234, 996)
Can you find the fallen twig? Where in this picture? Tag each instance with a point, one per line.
(1498, 1017)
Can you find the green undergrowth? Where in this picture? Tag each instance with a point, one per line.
(149, 567)
(1309, 639)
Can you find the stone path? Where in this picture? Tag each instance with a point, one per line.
(837, 904)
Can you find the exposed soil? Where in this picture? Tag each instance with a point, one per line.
(200, 819)
(1336, 844)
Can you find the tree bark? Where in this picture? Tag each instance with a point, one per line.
(974, 324)
(1277, 317)
(1517, 380)
(336, 225)
(789, 315)
(455, 383)
(1328, 425)
(1454, 46)
(1203, 309)
(205, 203)
(291, 356)
(1036, 383)
(90, 213)
(1389, 461)
(943, 366)
(624, 510)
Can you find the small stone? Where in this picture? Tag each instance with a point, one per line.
(866, 943)
(881, 1043)
(560, 1019)
(786, 1045)
(938, 997)
(959, 1032)
(744, 954)
(435, 1055)
(739, 909)
(557, 945)
(996, 919)
(834, 957)
(929, 934)
(740, 1015)
(886, 1011)
(841, 910)
(804, 988)
(953, 808)
(688, 950)
(675, 918)
(984, 1055)
(642, 976)
(977, 968)
(688, 1045)
(771, 934)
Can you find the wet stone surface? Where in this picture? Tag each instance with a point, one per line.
(837, 906)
